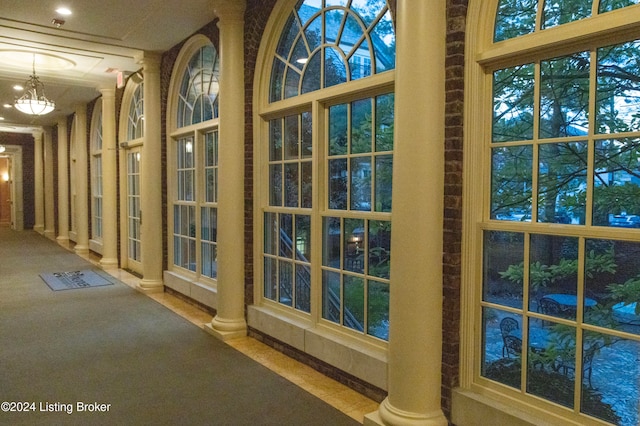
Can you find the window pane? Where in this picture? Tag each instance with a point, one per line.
(384, 44)
(511, 184)
(306, 133)
(291, 184)
(335, 71)
(275, 140)
(384, 174)
(360, 184)
(271, 233)
(604, 356)
(503, 268)
(564, 93)
(379, 248)
(557, 12)
(612, 285)
(618, 88)
(361, 126)
(331, 247)
(303, 288)
(275, 185)
(306, 184)
(338, 184)
(384, 122)
(287, 246)
(354, 302)
(515, 18)
(354, 245)
(616, 196)
(303, 238)
(331, 296)
(270, 278)
(378, 310)
(609, 5)
(513, 103)
(553, 275)
(562, 181)
(338, 129)
(291, 137)
(285, 272)
(502, 346)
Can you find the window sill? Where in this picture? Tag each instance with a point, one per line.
(195, 290)
(363, 361)
(473, 409)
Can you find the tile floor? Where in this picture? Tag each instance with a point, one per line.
(333, 393)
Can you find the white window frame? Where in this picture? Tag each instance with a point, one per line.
(193, 284)
(483, 57)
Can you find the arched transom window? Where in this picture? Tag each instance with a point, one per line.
(560, 224)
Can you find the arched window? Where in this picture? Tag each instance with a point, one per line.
(553, 268)
(135, 128)
(325, 167)
(96, 172)
(193, 163)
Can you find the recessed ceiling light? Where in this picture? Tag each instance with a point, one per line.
(17, 87)
(1, 118)
(7, 106)
(64, 11)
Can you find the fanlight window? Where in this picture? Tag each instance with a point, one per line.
(135, 129)
(329, 42)
(198, 100)
(518, 17)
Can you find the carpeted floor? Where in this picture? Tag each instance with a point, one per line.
(114, 346)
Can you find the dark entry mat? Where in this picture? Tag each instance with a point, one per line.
(74, 279)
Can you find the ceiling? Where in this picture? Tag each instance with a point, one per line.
(84, 54)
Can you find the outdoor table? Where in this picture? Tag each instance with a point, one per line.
(570, 301)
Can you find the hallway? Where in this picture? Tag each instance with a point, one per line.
(112, 345)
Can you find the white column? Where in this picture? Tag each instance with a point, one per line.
(415, 313)
(63, 182)
(38, 177)
(230, 321)
(151, 178)
(82, 181)
(109, 179)
(49, 202)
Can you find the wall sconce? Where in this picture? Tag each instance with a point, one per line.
(5, 177)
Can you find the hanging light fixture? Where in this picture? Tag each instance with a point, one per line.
(34, 101)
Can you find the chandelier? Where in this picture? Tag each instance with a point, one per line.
(34, 101)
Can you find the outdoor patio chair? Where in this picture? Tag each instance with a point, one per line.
(549, 307)
(587, 361)
(507, 325)
(513, 346)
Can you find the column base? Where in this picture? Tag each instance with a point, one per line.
(39, 229)
(50, 234)
(389, 415)
(106, 261)
(226, 329)
(62, 240)
(151, 286)
(79, 249)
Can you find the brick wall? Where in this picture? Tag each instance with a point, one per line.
(454, 104)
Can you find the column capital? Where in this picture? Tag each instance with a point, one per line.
(229, 10)
(150, 60)
(108, 92)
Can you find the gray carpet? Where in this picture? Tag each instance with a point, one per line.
(113, 345)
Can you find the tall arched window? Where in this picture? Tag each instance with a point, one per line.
(553, 274)
(193, 162)
(325, 163)
(96, 172)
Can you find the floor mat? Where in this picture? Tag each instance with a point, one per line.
(74, 279)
